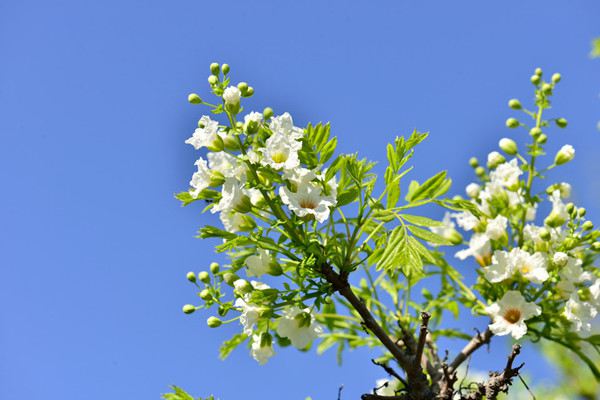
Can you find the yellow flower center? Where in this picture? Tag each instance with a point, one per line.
(279, 157)
(308, 203)
(512, 315)
(525, 268)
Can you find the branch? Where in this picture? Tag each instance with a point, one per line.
(379, 397)
(390, 371)
(422, 337)
(475, 343)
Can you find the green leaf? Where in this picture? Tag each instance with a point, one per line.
(420, 220)
(334, 167)
(229, 345)
(461, 205)
(347, 196)
(595, 53)
(327, 150)
(185, 198)
(211, 231)
(179, 394)
(431, 188)
(428, 236)
(394, 245)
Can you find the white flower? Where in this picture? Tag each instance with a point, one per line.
(227, 165)
(496, 228)
(559, 213)
(530, 212)
(299, 176)
(307, 200)
(386, 387)
(565, 190)
(466, 220)
(232, 221)
(447, 229)
(560, 259)
(479, 247)
(233, 197)
(531, 266)
(260, 264)
(571, 274)
(232, 95)
(510, 313)
(595, 293)
(473, 190)
(564, 155)
(205, 134)
(494, 159)
(580, 313)
(281, 151)
(299, 326)
(507, 174)
(201, 178)
(500, 269)
(284, 125)
(250, 314)
(253, 117)
(262, 348)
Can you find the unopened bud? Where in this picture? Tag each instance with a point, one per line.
(570, 207)
(570, 243)
(480, 171)
(243, 205)
(267, 113)
(535, 132)
(243, 86)
(473, 190)
(212, 80)
(561, 123)
(542, 139)
(564, 155)
(535, 79)
(214, 68)
(556, 77)
(538, 71)
(205, 294)
(242, 286)
(250, 91)
(495, 159)
(514, 104)
(547, 88)
(194, 98)
(214, 322)
(191, 277)
(204, 276)
(188, 309)
(587, 226)
(508, 146)
(229, 278)
(214, 267)
(512, 123)
(581, 211)
(454, 237)
(545, 234)
(473, 162)
(596, 246)
(560, 259)
(225, 68)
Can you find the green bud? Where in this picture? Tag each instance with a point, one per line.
(191, 277)
(495, 159)
(480, 171)
(229, 278)
(454, 237)
(266, 339)
(214, 267)
(214, 68)
(204, 276)
(216, 178)
(473, 162)
(564, 155)
(244, 205)
(542, 139)
(556, 77)
(587, 226)
(547, 88)
(554, 220)
(535, 132)
(535, 79)
(508, 146)
(274, 269)
(214, 322)
(216, 145)
(242, 286)
(514, 104)
(570, 207)
(581, 212)
(304, 319)
(247, 224)
(205, 294)
(512, 123)
(538, 71)
(250, 91)
(570, 243)
(596, 246)
(188, 309)
(222, 310)
(213, 80)
(545, 234)
(225, 69)
(267, 113)
(194, 98)
(561, 123)
(251, 127)
(243, 86)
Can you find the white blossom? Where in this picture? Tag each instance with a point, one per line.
(253, 117)
(500, 268)
(228, 165)
(233, 197)
(473, 190)
(281, 151)
(259, 264)
(479, 247)
(261, 349)
(386, 387)
(201, 178)
(507, 174)
(466, 220)
(510, 313)
(205, 134)
(284, 125)
(532, 267)
(580, 314)
(307, 200)
(496, 228)
(571, 274)
(559, 213)
(446, 229)
(232, 221)
(232, 95)
(299, 326)
(560, 259)
(250, 314)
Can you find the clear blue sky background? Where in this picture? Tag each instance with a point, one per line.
(93, 115)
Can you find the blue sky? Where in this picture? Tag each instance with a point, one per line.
(92, 123)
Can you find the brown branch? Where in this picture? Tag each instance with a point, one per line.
(422, 337)
(368, 396)
(390, 371)
(417, 381)
(475, 343)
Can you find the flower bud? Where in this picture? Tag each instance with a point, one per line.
(247, 224)
(205, 294)
(213, 322)
(242, 286)
(587, 226)
(232, 95)
(547, 88)
(216, 145)
(194, 98)
(556, 77)
(560, 259)
(570, 207)
(204, 276)
(581, 211)
(480, 171)
(214, 68)
(214, 267)
(244, 205)
(231, 142)
(454, 237)
(303, 319)
(266, 339)
(473, 162)
(212, 80)
(570, 243)
(216, 178)
(545, 234)
(508, 146)
(243, 86)
(514, 104)
(495, 159)
(538, 71)
(561, 123)
(225, 68)
(250, 91)
(564, 155)
(188, 309)
(191, 277)
(267, 113)
(535, 79)
(473, 190)
(512, 123)
(554, 220)
(229, 278)
(535, 132)
(542, 139)
(596, 246)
